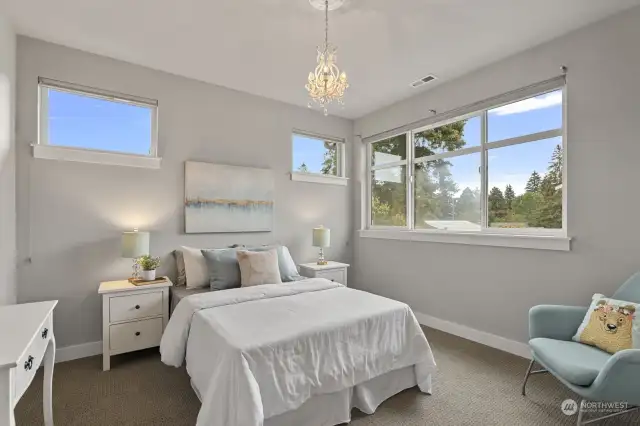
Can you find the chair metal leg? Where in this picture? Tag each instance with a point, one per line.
(526, 377)
(580, 412)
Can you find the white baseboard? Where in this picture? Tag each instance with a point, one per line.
(83, 350)
(511, 346)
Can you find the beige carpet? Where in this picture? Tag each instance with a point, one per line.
(475, 385)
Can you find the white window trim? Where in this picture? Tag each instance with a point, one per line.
(319, 178)
(48, 152)
(541, 242)
(43, 150)
(550, 239)
(340, 179)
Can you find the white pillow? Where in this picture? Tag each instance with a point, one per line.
(258, 267)
(195, 267)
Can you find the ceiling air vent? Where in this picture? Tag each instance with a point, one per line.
(423, 80)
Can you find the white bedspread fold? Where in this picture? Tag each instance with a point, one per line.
(276, 346)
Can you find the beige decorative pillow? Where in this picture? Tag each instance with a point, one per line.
(258, 267)
(195, 267)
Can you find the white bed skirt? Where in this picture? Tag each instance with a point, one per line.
(335, 408)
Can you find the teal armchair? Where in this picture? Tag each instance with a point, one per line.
(593, 374)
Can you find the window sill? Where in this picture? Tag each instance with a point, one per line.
(49, 152)
(318, 178)
(540, 242)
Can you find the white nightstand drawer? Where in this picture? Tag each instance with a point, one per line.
(132, 336)
(32, 358)
(134, 306)
(336, 275)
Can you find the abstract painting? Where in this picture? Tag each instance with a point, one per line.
(220, 198)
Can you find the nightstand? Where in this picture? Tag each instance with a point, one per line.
(133, 317)
(333, 271)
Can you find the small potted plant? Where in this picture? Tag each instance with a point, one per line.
(149, 265)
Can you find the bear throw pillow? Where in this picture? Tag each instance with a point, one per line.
(610, 325)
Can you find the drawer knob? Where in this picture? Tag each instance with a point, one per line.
(45, 332)
(137, 333)
(137, 306)
(28, 364)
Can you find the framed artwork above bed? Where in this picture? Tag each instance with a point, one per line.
(221, 198)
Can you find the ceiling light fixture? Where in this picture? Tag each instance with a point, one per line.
(326, 83)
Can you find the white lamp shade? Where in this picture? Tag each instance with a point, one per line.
(135, 244)
(321, 237)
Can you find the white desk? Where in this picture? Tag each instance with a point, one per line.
(27, 342)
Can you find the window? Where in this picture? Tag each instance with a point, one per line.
(318, 159)
(85, 124)
(495, 169)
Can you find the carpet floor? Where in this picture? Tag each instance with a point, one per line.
(475, 385)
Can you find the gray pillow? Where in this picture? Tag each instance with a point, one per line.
(224, 270)
(288, 268)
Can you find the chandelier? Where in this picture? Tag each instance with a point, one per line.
(326, 83)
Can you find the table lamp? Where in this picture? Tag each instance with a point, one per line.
(134, 245)
(322, 239)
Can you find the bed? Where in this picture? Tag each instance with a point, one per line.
(302, 353)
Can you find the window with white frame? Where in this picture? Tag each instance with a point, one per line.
(496, 169)
(79, 118)
(316, 156)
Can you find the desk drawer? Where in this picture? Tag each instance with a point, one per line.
(32, 358)
(136, 335)
(135, 306)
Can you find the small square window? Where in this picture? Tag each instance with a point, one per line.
(319, 156)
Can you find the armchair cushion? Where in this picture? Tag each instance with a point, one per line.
(576, 363)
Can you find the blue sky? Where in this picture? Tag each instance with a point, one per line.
(513, 164)
(81, 121)
(85, 122)
(308, 151)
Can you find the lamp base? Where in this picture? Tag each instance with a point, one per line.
(321, 260)
(135, 273)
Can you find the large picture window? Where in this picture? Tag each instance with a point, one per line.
(498, 169)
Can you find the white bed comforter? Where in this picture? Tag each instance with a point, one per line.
(277, 345)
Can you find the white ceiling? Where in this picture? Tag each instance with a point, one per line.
(267, 47)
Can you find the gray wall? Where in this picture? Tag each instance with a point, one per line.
(70, 215)
(492, 289)
(7, 164)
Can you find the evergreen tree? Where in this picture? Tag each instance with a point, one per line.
(554, 172)
(303, 168)
(533, 184)
(509, 196)
(549, 212)
(467, 206)
(497, 205)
